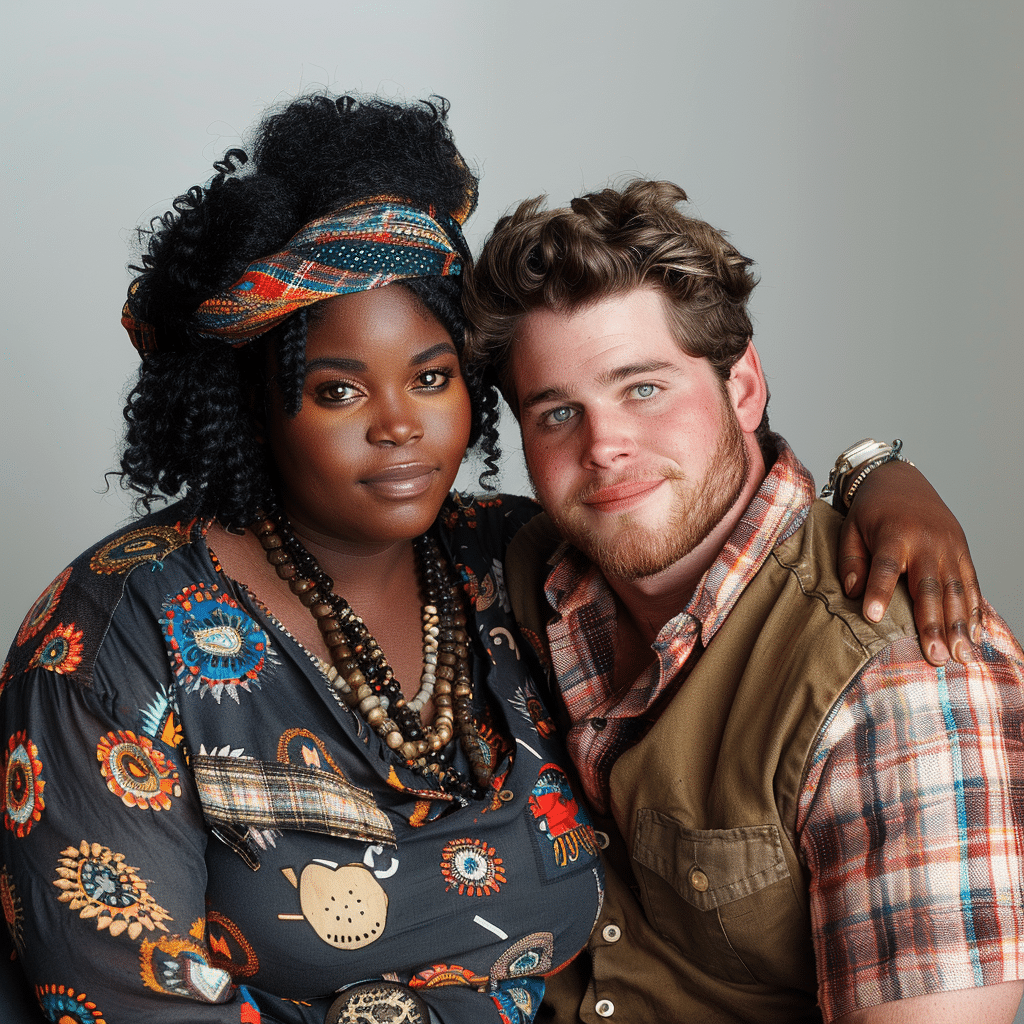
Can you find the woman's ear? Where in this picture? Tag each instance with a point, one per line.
(747, 390)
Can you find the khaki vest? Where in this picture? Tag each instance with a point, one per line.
(706, 916)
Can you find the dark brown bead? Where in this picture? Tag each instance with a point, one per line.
(310, 597)
(321, 611)
(279, 557)
(347, 666)
(286, 571)
(328, 624)
(263, 527)
(446, 659)
(270, 541)
(300, 585)
(445, 672)
(334, 637)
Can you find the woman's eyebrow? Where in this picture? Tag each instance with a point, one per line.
(442, 348)
(349, 365)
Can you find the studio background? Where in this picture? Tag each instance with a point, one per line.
(867, 155)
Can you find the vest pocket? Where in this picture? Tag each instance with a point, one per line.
(715, 894)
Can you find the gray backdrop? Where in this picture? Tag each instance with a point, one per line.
(867, 155)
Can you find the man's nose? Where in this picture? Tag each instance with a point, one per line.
(608, 438)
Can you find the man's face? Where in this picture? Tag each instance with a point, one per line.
(633, 446)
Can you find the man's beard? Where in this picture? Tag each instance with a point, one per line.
(637, 551)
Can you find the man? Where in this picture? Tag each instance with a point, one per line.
(806, 819)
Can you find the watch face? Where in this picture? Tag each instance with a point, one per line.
(859, 453)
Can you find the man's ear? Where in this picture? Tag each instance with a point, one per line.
(747, 390)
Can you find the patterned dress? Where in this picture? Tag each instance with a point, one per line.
(197, 829)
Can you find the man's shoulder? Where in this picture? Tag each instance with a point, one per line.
(810, 554)
(526, 569)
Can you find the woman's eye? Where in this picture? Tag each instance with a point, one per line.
(645, 390)
(434, 379)
(336, 391)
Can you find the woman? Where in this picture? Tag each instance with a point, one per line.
(280, 739)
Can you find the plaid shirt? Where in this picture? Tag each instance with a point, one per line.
(914, 789)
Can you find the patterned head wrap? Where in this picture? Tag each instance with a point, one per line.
(361, 246)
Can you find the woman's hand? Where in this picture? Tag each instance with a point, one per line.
(898, 524)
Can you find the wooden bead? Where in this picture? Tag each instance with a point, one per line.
(394, 740)
(279, 557)
(286, 571)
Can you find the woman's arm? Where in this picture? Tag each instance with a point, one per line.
(898, 524)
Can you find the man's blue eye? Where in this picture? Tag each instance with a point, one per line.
(644, 390)
(561, 414)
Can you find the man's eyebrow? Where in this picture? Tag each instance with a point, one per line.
(556, 393)
(552, 394)
(621, 373)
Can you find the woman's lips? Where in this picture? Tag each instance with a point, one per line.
(622, 497)
(399, 483)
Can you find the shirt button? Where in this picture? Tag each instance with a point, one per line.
(602, 839)
(611, 933)
(505, 795)
(597, 724)
(699, 880)
(604, 1008)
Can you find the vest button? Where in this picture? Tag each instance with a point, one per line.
(611, 933)
(604, 1008)
(699, 880)
(505, 795)
(597, 724)
(602, 839)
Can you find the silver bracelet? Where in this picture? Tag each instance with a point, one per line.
(846, 492)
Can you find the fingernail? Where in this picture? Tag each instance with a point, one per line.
(849, 581)
(938, 653)
(964, 653)
(874, 611)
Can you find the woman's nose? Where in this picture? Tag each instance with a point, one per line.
(395, 423)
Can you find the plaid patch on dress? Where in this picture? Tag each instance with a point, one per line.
(244, 791)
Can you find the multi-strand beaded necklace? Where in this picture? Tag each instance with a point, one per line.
(365, 681)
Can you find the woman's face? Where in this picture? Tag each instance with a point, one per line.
(384, 423)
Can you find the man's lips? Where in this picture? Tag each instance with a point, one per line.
(622, 496)
(408, 480)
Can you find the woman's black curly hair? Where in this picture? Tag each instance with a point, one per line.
(194, 415)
